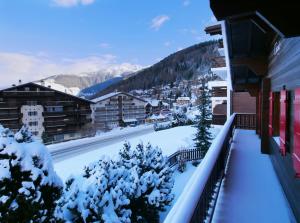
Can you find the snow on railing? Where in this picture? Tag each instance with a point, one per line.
(184, 209)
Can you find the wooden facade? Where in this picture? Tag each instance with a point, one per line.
(264, 54)
(50, 114)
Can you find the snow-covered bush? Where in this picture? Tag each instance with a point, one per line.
(181, 160)
(29, 187)
(162, 126)
(155, 181)
(100, 195)
(133, 188)
(182, 117)
(195, 163)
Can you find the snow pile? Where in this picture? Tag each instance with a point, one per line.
(29, 185)
(133, 188)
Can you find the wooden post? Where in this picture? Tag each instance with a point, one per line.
(265, 91)
(257, 129)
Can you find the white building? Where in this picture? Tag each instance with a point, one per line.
(183, 101)
(117, 109)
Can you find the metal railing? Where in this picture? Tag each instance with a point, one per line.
(199, 194)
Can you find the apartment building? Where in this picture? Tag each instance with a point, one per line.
(117, 109)
(47, 112)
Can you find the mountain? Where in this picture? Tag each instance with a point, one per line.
(74, 83)
(186, 64)
(94, 89)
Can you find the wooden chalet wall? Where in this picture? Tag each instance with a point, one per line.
(284, 70)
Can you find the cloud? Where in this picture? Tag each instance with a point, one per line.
(104, 45)
(71, 3)
(186, 3)
(31, 67)
(158, 21)
(167, 43)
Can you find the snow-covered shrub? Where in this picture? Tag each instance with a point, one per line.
(155, 184)
(182, 117)
(100, 195)
(195, 162)
(29, 187)
(133, 188)
(162, 126)
(181, 160)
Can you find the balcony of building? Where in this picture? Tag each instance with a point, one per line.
(234, 182)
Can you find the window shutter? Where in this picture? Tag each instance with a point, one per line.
(259, 113)
(271, 102)
(296, 152)
(283, 121)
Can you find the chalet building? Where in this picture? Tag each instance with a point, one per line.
(52, 114)
(218, 101)
(117, 109)
(251, 173)
(154, 106)
(183, 101)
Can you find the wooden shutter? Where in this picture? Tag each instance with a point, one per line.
(283, 121)
(271, 103)
(259, 114)
(296, 150)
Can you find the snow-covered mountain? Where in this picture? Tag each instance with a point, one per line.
(73, 83)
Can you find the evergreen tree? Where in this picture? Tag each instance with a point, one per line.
(29, 187)
(203, 136)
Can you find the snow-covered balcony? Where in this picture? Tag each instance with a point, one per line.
(233, 183)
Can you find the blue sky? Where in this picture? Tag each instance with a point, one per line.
(60, 35)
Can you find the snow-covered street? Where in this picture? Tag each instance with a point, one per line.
(73, 148)
(169, 141)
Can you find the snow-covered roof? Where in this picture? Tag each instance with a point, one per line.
(217, 84)
(183, 98)
(129, 120)
(112, 94)
(45, 87)
(156, 117)
(153, 102)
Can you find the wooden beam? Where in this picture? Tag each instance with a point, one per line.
(266, 87)
(253, 89)
(258, 65)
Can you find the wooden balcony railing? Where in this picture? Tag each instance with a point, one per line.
(196, 204)
(245, 121)
(187, 154)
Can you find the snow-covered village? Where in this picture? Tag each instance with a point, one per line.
(175, 111)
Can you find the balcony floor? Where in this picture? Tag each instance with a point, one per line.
(250, 191)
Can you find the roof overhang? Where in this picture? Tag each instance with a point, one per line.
(250, 29)
(281, 17)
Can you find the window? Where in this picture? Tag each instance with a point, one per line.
(54, 108)
(27, 89)
(296, 152)
(1, 99)
(35, 133)
(32, 113)
(33, 123)
(274, 114)
(271, 102)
